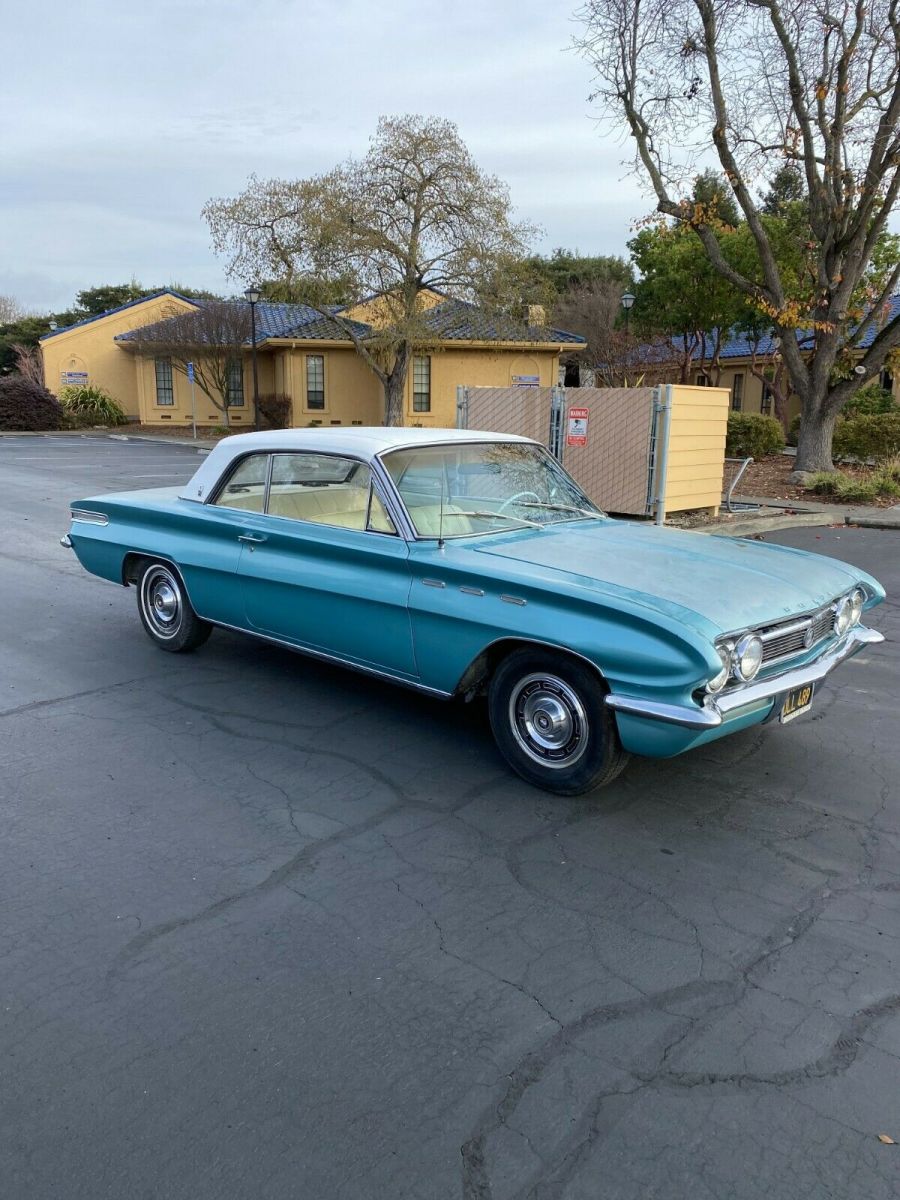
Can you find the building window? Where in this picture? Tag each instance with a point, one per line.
(165, 387)
(422, 383)
(765, 405)
(702, 380)
(737, 393)
(886, 379)
(234, 397)
(315, 381)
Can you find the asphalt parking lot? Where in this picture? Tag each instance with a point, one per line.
(273, 931)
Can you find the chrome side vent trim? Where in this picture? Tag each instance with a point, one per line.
(88, 516)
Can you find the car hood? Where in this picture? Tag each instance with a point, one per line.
(732, 583)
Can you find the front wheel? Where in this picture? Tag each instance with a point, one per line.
(166, 612)
(551, 724)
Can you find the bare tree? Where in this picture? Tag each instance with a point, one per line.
(10, 310)
(415, 213)
(759, 84)
(213, 337)
(29, 363)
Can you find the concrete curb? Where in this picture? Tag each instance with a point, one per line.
(748, 526)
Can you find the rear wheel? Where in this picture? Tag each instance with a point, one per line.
(551, 724)
(166, 612)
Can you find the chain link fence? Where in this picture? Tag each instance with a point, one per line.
(603, 436)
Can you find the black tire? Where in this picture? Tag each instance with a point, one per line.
(551, 724)
(166, 611)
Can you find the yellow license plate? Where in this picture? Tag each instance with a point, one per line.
(797, 701)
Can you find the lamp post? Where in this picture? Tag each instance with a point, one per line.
(627, 303)
(253, 293)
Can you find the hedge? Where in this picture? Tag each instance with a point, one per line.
(27, 406)
(753, 436)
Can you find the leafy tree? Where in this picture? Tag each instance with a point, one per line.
(567, 269)
(810, 83)
(414, 213)
(212, 337)
(785, 190)
(679, 295)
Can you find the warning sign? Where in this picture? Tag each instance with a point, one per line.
(577, 432)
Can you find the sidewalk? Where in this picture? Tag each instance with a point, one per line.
(865, 515)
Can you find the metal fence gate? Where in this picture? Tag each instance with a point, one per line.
(610, 440)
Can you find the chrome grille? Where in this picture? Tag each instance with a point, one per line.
(796, 636)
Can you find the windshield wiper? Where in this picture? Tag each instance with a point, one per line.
(488, 513)
(573, 508)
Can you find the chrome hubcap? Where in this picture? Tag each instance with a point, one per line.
(548, 720)
(161, 602)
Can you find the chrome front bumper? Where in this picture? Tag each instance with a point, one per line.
(716, 709)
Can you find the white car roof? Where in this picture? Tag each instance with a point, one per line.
(358, 441)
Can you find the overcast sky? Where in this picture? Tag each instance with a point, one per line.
(120, 120)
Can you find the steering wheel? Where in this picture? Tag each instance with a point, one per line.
(518, 496)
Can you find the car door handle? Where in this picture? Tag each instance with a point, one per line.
(252, 539)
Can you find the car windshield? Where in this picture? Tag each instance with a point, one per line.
(485, 487)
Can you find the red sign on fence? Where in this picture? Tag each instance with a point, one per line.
(578, 425)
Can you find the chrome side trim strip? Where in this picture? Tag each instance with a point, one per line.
(336, 660)
(438, 583)
(514, 600)
(472, 591)
(716, 710)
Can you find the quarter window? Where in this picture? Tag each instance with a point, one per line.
(165, 387)
(422, 383)
(245, 487)
(235, 388)
(315, 381)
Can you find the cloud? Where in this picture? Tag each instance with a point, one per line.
(133, 116)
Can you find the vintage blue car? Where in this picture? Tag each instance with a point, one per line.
(463, 563)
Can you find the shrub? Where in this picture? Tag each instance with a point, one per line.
(876, 436)
(25, 405)
(751, 435)
(276, 409)
(859, 489)
(869, 401)
(88, 404)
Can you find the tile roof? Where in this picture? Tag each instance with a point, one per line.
(451, 320)
(283, 321)
(740, 345)
(118, 308)
(457, 320)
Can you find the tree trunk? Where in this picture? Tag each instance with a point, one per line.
(395, 388)
(814, 441)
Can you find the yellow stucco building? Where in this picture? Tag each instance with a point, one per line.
(310, 359)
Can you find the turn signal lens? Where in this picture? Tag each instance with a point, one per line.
(747, 658)
(857, 600)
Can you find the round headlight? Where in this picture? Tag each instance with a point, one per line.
(857, 600)
(748, 656)
(843, 615)
(718, 681)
